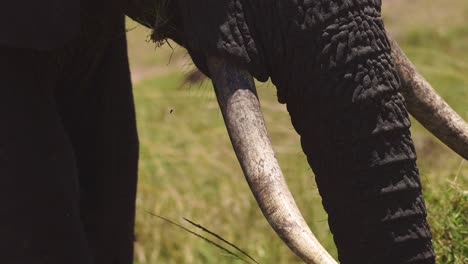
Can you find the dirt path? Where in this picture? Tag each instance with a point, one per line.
(140, 72)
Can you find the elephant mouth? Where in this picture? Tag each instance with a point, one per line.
(237, 98)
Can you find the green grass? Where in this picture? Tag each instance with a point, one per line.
(188, 168)
(448, 207)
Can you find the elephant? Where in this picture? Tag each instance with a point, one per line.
(70, 128)
(68, 139)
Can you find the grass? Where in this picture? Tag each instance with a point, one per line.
(188, 168)
(448, 217)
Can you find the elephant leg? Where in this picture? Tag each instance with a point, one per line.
(39, 197)
(98, 114)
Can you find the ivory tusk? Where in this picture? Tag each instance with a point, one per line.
(244, 121)
(428, 107)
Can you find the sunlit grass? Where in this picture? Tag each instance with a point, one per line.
(448, 207)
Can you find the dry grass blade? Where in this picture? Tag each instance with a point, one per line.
(202, 237)
(220, 238)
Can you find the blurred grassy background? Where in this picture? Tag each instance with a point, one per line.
(188, 168)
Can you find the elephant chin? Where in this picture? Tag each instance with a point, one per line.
(237, 98)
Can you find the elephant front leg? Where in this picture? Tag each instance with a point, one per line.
(354, 130)
(39, 199)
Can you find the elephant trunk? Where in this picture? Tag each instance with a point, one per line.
(240, 107)
(354, 130)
